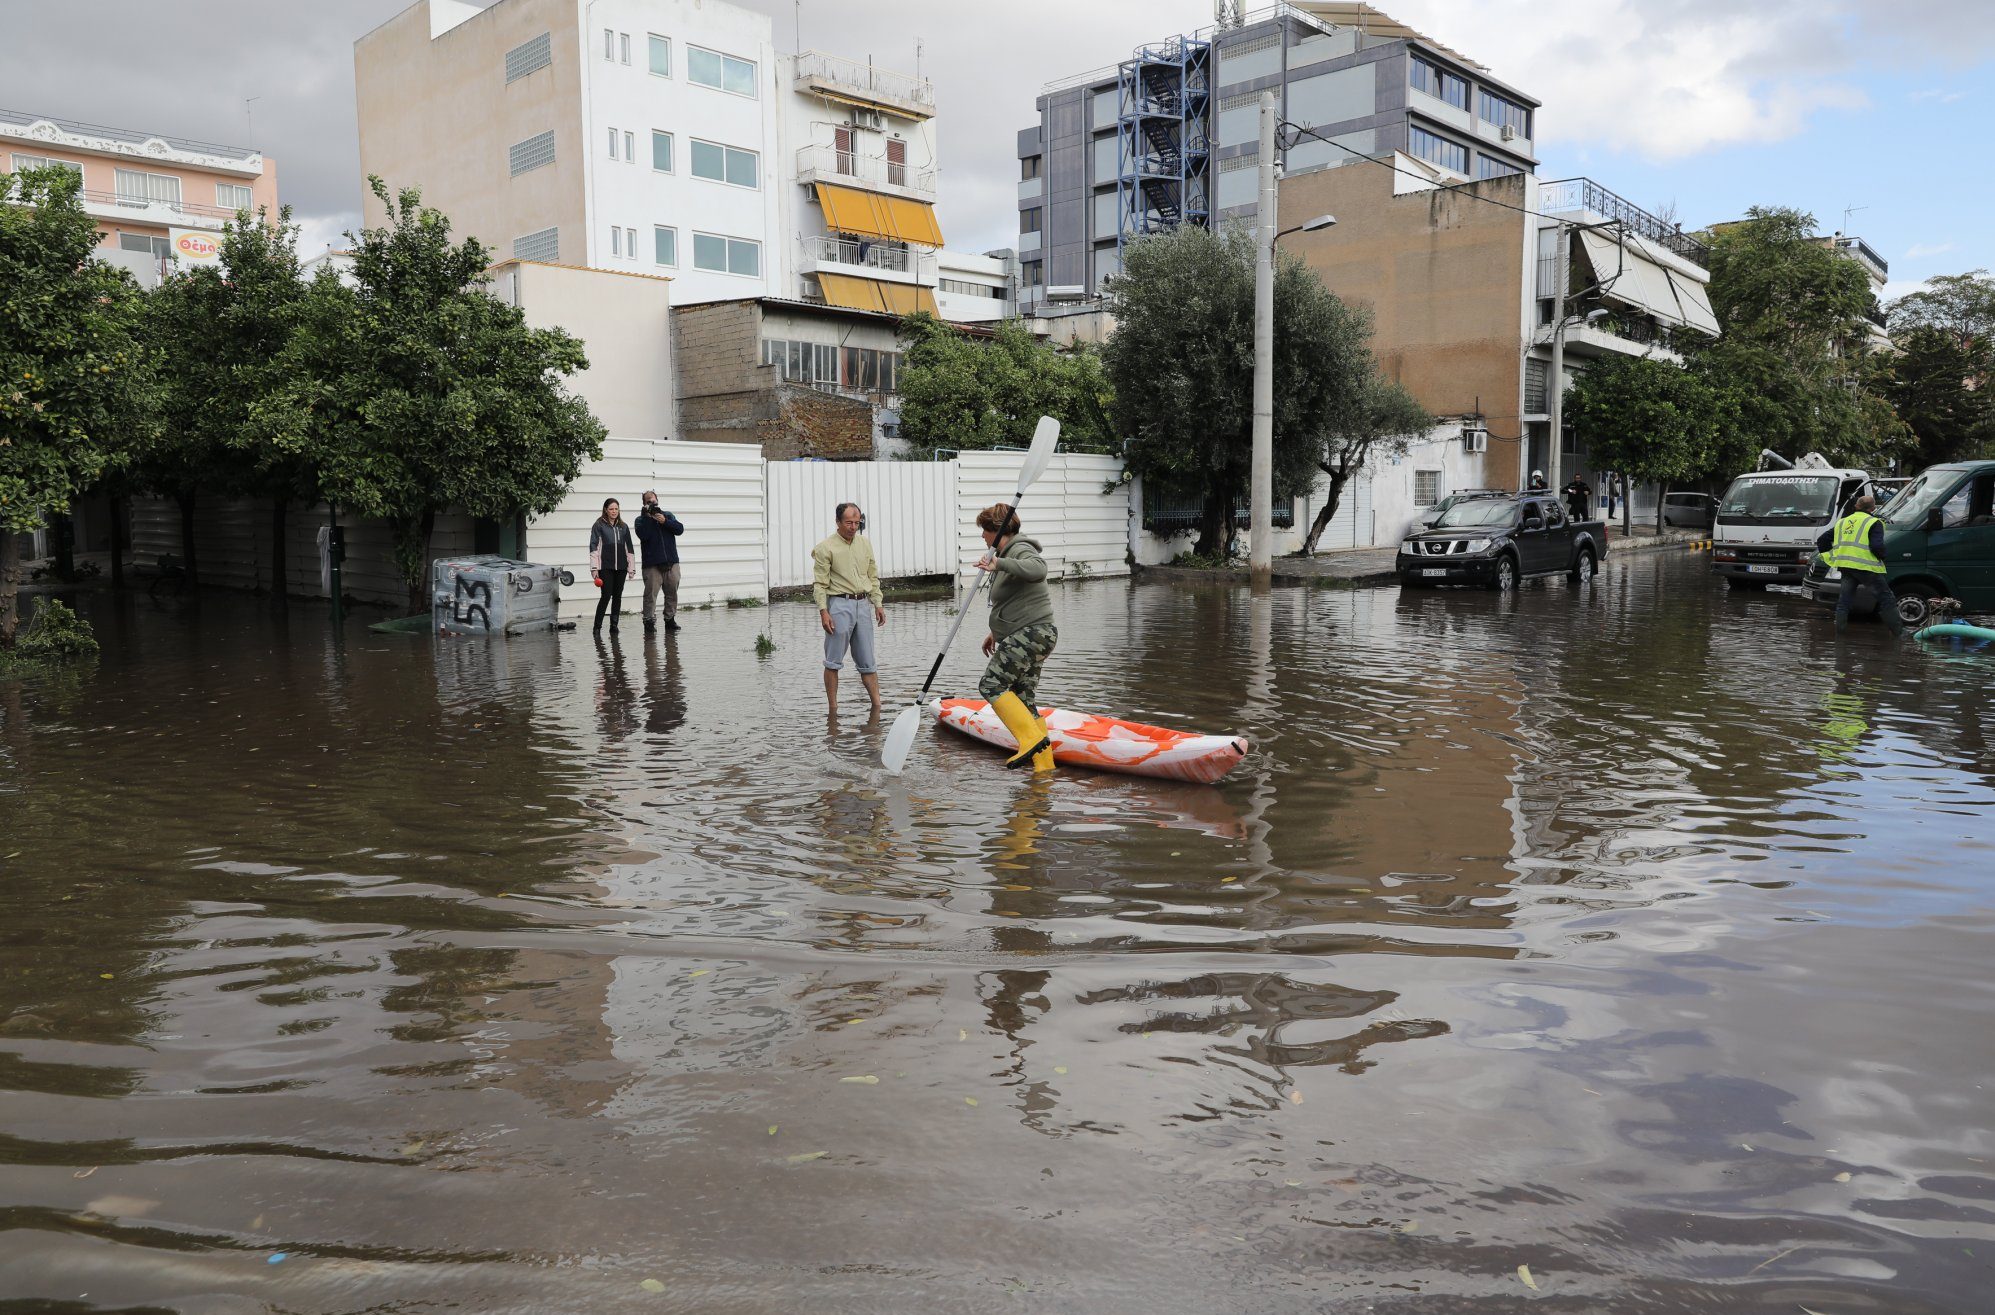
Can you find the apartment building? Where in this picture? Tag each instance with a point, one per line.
(659, 136)
(158, 200)
(1172, 135)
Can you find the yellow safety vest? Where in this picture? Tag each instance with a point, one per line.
(1850, 550)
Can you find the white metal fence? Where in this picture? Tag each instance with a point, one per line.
(909, 508)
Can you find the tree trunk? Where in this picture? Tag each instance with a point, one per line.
(1323, 517)
(188, 563)
(1211, 527)
(1627, 512)
(419, 582)
(117, 543)
(10, 584)
(280, 583)
(1660, 486)
(62, 527)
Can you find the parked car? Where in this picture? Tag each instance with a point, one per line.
(1496, 541)
(1692, 510)
(1939, 542)
(1440, 508)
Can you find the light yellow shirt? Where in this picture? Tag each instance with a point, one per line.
(844, 568)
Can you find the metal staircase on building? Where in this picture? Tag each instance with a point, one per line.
(1163, 147)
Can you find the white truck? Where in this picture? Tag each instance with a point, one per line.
(1765, 527)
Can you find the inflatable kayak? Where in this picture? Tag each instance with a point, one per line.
(1083, 740)
(1952, 630)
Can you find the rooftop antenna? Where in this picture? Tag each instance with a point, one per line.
(797, 26)
(1229, 13)
(917, 58)
(1849, 210)
(249, 113)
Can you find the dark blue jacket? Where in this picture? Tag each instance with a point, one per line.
(660, 540)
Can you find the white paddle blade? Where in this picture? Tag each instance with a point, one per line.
(1045, 437)
(900, 740)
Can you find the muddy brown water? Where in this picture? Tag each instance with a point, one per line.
(1637, 935)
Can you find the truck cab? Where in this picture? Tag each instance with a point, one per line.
(1939, 542)
(1765, 527)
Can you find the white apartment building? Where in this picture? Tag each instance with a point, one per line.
(661, 137)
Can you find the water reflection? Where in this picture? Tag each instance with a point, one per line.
(1604, 930)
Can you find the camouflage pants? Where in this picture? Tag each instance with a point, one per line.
(1017, 661)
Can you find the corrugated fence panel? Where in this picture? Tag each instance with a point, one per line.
(1065, 511)
(908, 506)
(155, 531)
(1094, 526)
(561, 538)
(718, 491)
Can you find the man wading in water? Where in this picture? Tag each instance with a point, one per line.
(1022, 634)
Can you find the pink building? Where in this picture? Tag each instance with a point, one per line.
(155, 198)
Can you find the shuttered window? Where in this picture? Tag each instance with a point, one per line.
(528, 56)
(531, 153)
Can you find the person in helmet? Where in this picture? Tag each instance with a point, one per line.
(1537, 479)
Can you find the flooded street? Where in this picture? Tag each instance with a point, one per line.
(1635, 935)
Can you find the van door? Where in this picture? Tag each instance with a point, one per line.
(1962, 550)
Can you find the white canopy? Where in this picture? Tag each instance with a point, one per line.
(1630, 275)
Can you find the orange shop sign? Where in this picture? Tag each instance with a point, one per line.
(195, 247)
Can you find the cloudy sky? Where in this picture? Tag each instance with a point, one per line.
(1703, 107)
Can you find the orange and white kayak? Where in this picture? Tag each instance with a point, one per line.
(1108, 744)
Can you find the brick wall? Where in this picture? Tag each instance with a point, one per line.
(726, 396)
(812, 423)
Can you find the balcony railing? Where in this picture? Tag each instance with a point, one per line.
(22, 119)
(887, 256)
(874, 84)
(1861, 249)
(1571, 194)
(822, 163)
(187, 209)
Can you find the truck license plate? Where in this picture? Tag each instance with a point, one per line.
(1762, 570)
(1435, 575)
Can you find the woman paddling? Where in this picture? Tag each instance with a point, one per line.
(1022, 634)
(612, 560)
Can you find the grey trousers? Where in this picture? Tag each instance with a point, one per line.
(661, 586)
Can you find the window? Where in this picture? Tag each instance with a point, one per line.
(727, 255)
(43, 162)
(710, 68)
(664, 245)
(962, 289)
(232, 196)
(156, 247)
(1439, 150)
(1489, 167)
(1505, 113)
(1028, 167)
(629, 148)
(1426, 487)
(661, 55)
(1033, 273)
(725, 164)
(1030, 220)
(616, 240)
(813, 363)
(531, 153)
(661, 151)
(529, 56)
(623, 46)
(609, 44)
(613, 143)
(136, 187)
(1440, 84)
(544, 245)
(871, 371)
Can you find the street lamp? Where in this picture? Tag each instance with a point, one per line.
(1557, 427)
(1315, 225)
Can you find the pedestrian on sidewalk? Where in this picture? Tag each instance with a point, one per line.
(1576, 495)
(658, 534)
(1855, 547)
(612, 560)
(845, 583)
(1022, 634)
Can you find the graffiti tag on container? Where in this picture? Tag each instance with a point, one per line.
(464, 612)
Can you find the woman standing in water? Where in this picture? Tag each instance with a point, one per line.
(1022, 634)
(612, 560)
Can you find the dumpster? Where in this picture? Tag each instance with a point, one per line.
(491, 595)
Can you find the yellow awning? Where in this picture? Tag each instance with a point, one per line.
(870, 214)
(854, 293)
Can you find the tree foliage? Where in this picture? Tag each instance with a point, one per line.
(1649, 419)
(1940, 383)
(970, 393)
(1380, 417)
(413, 391)
(1960, 305)
(1181, 363)
(75, 372)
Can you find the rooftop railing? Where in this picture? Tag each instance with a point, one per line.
(1572, 194)
(1863, 251)
(22, 119)
(905, 88)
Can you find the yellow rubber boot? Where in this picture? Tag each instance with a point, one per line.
(1043, 760)
(1024, 728)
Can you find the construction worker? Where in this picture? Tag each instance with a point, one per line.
(1022, 634)
(1855, 547)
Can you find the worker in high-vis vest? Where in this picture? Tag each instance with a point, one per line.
(1855, 547)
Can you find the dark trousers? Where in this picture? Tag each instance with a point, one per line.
(612, 599)
(1887, 602)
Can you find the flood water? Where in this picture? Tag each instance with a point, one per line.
(1637, 935)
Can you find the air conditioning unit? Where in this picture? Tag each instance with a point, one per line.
(1475, 440)
(1509, 133)
(864, 118)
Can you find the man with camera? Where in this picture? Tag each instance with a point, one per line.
(658, 534)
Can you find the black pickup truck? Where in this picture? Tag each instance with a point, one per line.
(1498, 539)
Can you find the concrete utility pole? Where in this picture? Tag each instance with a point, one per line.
(1260, 496)
(1561, 274)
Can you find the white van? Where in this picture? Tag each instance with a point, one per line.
(1765, 528)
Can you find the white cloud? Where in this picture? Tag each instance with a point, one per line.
(1917, 250)
(1941, 95)
(1897, 288)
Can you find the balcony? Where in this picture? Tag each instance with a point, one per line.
(873, 173)
(166, 214)
(1570, 195)
(1860, 251)
(1031, 189)
(883, 260)
(847, 79)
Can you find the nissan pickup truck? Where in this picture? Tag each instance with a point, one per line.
(1496, 542)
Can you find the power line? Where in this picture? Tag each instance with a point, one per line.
(1297, 130)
